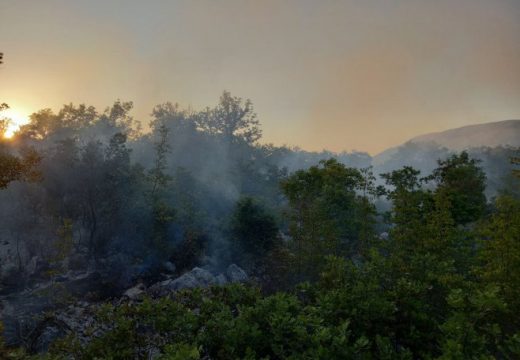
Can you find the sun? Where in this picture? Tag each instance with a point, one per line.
(16, 119)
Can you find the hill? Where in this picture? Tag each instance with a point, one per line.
(490, 134)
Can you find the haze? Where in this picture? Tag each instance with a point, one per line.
(340, 75)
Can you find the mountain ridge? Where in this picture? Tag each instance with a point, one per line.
(491, 134)
(496, 133)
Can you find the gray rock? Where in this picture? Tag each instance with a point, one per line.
(195, 278)
(221, 279)
(135, 293)
(169, 266)
(236, 274)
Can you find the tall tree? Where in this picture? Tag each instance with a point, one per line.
(233, 118)
(162, 212)
(325, 213)
(464, 183)
(253, 231)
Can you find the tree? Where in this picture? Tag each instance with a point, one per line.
(162, 212)
(253, 231)
(325, 213)
(14, 168)
(464, 183)
(233, 118)
(516, 161)
(24, 168)
(427, 256)
(500, 251)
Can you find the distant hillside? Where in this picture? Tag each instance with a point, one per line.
(492, 143)
(500, 133)
(490, 134)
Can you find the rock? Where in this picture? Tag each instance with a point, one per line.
(135, 293)
(236, 274)
(195, 278)
(221, 279)
(169, 266)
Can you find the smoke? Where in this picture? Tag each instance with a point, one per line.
(340, 75)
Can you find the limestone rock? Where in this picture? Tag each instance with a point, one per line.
(236, 274)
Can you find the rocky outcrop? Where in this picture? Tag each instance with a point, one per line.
(236, 274)
(36, 317)
(21, 311)
(195, 278)
(198, 278)
(135, 293)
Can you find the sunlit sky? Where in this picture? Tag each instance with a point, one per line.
(340, 75)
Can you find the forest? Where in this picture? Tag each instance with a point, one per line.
(113, 236)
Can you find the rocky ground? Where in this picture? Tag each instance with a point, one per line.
(43, 311)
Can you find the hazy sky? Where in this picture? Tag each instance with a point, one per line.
(340, 75)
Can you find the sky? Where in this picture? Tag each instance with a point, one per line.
(328, 74)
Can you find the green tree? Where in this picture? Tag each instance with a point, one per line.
(12, 167)
(516, 161)
(233, 118)
(464, 183)
(253, 231)
(162, 212)
(428, 256)
(500, 252)
(326, 213)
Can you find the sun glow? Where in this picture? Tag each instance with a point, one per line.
(16, 119)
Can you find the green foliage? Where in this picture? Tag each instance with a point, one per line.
(180, 352)
(253, 231)
(233, 118)
(426, 300)
(516, 161)
(14, 168)
(500, 252)
(472, 330)
(233, 322)
(162, 212)
(463, 182)
(327, 216)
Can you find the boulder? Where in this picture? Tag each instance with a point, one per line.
(195, 278)
(135, 293)
(236, 274)
(221, 279)
(169, 266)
